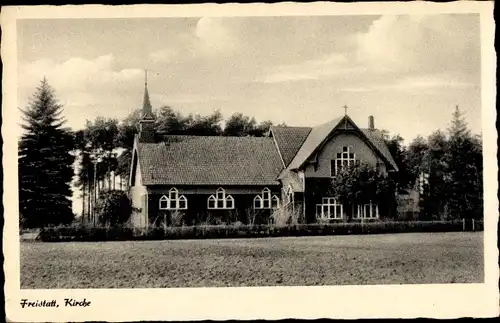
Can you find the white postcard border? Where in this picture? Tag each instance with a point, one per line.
(391, 301)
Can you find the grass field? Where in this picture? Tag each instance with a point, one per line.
(327, 260)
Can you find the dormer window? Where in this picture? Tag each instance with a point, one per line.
(344, 160)
(220, 200)
(174, 201)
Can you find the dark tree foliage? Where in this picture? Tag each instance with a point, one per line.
(241, 126)
(45, 163)
(113, 208)
(403, 177)
(362, 184)
(198, 125)
(453, 163)
(465, 167)
(414, 157)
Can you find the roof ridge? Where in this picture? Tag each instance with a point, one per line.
(213, 136)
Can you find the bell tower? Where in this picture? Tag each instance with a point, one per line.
(146, 124)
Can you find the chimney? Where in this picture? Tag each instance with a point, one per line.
(371, 123)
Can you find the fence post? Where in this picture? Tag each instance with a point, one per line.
(463, 224)
(473, 224)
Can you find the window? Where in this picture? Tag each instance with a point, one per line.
(329, 209)
(220, 193)
(220, 200)
(173, 201)
(164, 203)
(173, 193)
(367, 211)
(345, 159)
(182, 202)
(212, 202)
(257, 202)
(289, 194)
(265, 200)
(229, 202)
(275, 202)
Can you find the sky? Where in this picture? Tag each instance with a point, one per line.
(409, 72)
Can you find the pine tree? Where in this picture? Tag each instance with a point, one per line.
(45, 163)
(465, 170)
(458, 126)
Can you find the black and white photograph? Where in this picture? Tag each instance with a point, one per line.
(185, 155)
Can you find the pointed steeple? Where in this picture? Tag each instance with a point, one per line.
(146, 124)
(147, 109)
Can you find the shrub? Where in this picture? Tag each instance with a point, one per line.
(113, 208)
(114, 233)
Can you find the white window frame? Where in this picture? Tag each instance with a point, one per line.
(257, 202)
(172, 201)
(329, 204)
(275, 202)
(229, 200)
(211, 198)
(265, 200)
(367, 211)
(289, 194)
(221, 200)
(344, 157)
(164, 199)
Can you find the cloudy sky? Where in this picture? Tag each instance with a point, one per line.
(407, 71)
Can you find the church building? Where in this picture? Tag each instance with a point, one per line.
(252, 180)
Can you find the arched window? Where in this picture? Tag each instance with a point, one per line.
(265, 200)
(164, 203)
(275, 202)
(257, 202)
(344, 160)
(174, 201)
(289, 194)
(220, 193)
(182, 203)
(173, 194)
(229, 202)
(220, 200)
(212, 202)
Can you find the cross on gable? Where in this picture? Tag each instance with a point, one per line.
(345, 108)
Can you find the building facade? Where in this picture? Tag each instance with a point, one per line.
(253, 180)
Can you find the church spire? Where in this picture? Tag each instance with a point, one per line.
(146, 124)
(147, 110)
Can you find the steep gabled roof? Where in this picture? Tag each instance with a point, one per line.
(320, 133)
(316, 136)
(377, 139)
(289, 140)
(210, 160)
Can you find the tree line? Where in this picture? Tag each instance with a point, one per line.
(99, 156)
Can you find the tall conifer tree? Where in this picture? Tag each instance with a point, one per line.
(45, 162)
(465, 170)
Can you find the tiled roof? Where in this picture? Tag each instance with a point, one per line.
(289, 140)
(315, 137)
(319, 133)
(210, 160)
(375, 136)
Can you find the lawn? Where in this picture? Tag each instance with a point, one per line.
(326, 260)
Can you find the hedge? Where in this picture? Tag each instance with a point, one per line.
(82, 233)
